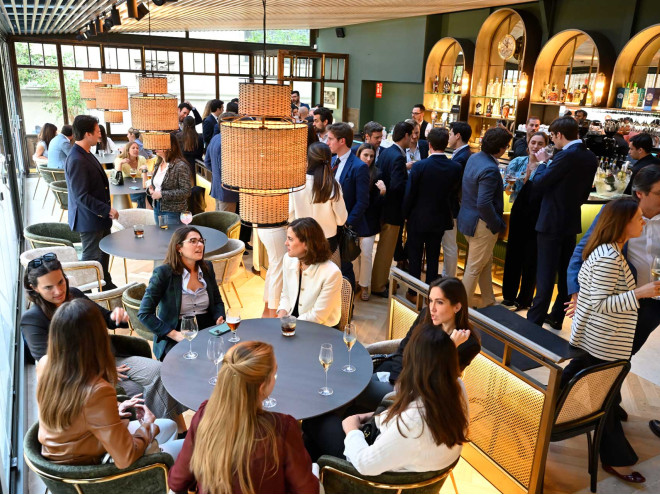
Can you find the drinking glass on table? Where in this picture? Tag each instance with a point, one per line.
(185, 217)
(215, 351)
(269, 401)
(325, 357)
(133, 173)
(233, 319)
(163, 222)
(655, 272)
(350, 336)
(189, 331)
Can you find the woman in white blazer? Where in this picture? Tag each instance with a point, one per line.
(606, 315)
(321, 199)
(311, 288)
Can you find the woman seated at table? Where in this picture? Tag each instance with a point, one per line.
(129, 161)
(447, 311)
(183, 285)
(422, 430)
(311, 282)
(79, 417)
(234, 446)
(170, 185)
(105, 144)
(47, 287)
(46, 135)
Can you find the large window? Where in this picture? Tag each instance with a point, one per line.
(298, 37)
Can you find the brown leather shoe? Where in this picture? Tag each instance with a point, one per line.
(654, 424)
(633, 477)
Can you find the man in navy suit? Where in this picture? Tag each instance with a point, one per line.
(459, 137)
(392, 165)
(211, 121)
(225, 200)
(563, 186)
(353, 176)
(373, 134)
(90, 212)
(427, 206)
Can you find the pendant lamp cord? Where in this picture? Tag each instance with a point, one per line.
(264, 62)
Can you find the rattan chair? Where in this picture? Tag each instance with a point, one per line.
(61, 193)
(127, 218)
(339, 476)
(584, 404)
(52, 234)
(225, 221)
(227, 265)
(84, 275)
(146, 475)
(131, 300)
(346, 303)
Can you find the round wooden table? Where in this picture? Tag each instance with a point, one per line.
(153, 246)
(299, 374)
(121, 199)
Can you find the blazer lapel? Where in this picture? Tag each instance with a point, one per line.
(177, 280)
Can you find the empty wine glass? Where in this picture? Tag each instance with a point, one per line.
(325, 357)
(185, 217)
(350, 336)
(269, 401)
(189, 331)
(215, 351)
(233, 319)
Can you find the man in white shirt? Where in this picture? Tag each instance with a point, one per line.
(322, 119)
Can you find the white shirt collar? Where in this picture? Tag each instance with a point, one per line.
(185, 278)
(459, 149)
(344, 157)
(571, 143)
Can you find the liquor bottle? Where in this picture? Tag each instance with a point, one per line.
(489, 88)
(506, 108)
(446, 86)
(496, 108)
(552, 95)
(633, 97)
(489, 108)
(436, 84)
(544, 91)
(569, 96)
(477, 109)
(444, 106)
(640, 100)
(480, 88)
(589, 99)
(562, 95)
(626, 94)
(497, 88)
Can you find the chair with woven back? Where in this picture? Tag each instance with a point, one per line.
(227, 264)
(584, 404)
(61, 193)
(52, 234)
(131, 300)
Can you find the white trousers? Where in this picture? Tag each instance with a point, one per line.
(449, 252)
(363, 264)
(273, 240)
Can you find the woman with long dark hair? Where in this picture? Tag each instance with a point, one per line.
(234, 446)
(105, 144)
(183, 285)
(79, 417)
(46, 135)
(192, 145)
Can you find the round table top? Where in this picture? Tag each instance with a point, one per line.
(126, 188)
(299, 374)
(107, 158)
(153, 246)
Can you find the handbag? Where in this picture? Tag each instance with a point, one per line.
(117, 178)
(349, 244)
(369, 428)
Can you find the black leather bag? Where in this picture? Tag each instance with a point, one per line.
(349, 244)
(369, 429)
(197, 200)
(117, 178)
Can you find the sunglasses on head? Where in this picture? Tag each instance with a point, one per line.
(37, 262)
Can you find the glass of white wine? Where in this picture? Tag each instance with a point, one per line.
(655, 272)
(189, 331)
(350, 336)
(215, 351)
(269, 402)
(325, 357)
(233, 319)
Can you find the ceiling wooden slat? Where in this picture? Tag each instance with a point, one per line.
(60, 20)
(52, 15)
(18, 26)
(44, 13)
(5, 20)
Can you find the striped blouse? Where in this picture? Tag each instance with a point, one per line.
(606, 313)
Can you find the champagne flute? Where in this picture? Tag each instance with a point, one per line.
(215, 351)
(655, 272)
(233, 319)
(325, 357)
(350, 336)
(185, 217)
(189, 331)
(133, 174)
(269, 402)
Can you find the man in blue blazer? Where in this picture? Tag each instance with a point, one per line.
(481, 217)
(373, 135)
(427, 206)
(563, 186)
(225, 200)
(90, 212)
(353, 176)
(459, 137)
(211, 121)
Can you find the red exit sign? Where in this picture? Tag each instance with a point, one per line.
(379, 90)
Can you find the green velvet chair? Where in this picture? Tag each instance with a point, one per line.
(339, 476)
(124, 345)
(225, 221)
(50, 175)
(61, 193)
(52, 234)
(131, 299)
(146, 475)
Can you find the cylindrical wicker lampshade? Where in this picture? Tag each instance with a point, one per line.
(112, 97)
(156, 140)
(272, 100)
(264, 211)
(88, 89)
(269, 156)
(152, 84)
(113, 117)
(91, 75)
(154, 112)
(90, 104)
(110, 78)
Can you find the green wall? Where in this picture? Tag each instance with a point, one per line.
(395, 105)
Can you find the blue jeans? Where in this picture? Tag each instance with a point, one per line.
(173, 217)
(140, 199)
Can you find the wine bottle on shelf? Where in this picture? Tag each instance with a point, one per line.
(489, 108)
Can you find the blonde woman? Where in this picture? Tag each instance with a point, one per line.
(233, 445)
(130, 160)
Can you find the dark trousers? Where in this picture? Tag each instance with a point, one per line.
(615, 450)
(401, 250)
(416, 243)
(554, 253)
(324, 435)
(92, 252)
(520, 264)
(648, 319)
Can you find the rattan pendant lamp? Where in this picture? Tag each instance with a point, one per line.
(112, 98)
(87, 86)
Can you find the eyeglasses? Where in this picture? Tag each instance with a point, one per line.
(37, 262)
(195, 240)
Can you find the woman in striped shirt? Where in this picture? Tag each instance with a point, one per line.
(606, 314)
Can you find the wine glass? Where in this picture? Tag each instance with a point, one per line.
(350, 336)
(185, 217)
(133, 174)
(189, 331)
(233, 319)
(325, 357)
(655, 271)
(269, 401)
(215, 351)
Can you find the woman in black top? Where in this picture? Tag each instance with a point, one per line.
(192, 145)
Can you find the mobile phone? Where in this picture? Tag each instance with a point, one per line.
(219, 329)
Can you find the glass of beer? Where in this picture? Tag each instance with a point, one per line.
(138, 230)
(163, 222)
(233, 319)
(325, 357)
(288, 325)
(189, 331)
(133, 173)
(350, 336)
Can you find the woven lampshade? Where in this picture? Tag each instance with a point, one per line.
(156, 140)
(152, 84)
(91, 75)
(273, 100)
(263, 156)
(112, 97)
(264, 211)
(111, 79)
(113, 117)
(154, 112)
(88, 89)
(90, 104)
